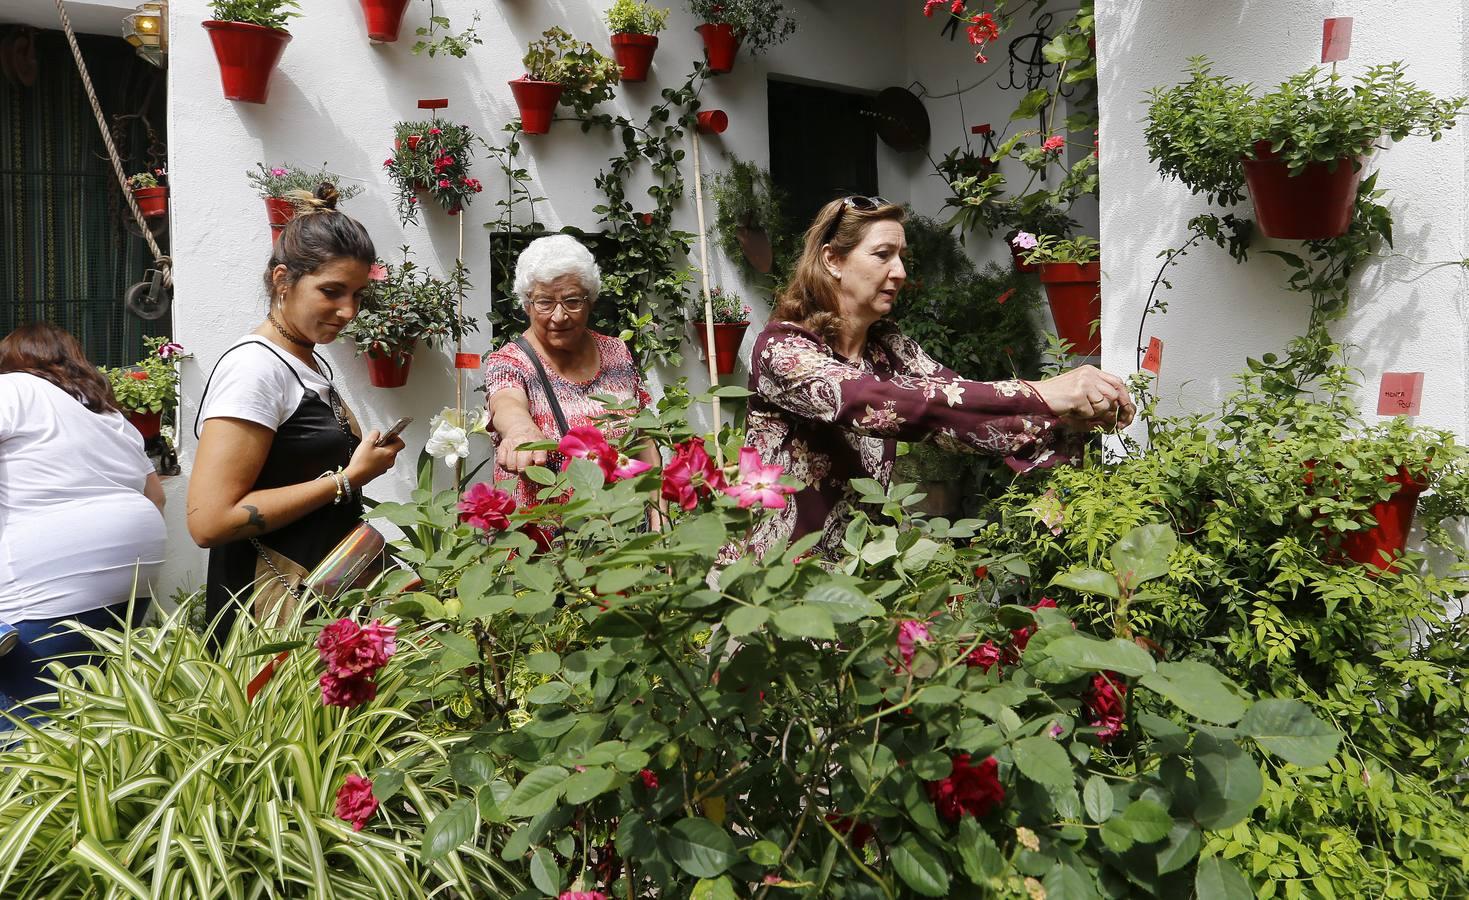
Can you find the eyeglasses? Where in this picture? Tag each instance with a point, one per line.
(865, 204)
(546, 305)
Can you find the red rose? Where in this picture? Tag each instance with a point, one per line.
(1104, 705)
(355, 802)
(975, 790)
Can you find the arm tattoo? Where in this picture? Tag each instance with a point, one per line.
(254, 520)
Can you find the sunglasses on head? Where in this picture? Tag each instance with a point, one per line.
(865, 204)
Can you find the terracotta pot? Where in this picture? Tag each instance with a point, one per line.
(280, 212)
(634, 52)
(1074, 291)
(384, 17)
(1311, 206)
(247, 55)
(537, 100)
(152, 202)
(1394, 520)
(1018, 258)
(712, 121)
(148, 424)
(720, 45)
(727, 339)
(389, 370)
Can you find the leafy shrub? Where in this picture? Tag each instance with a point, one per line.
(760, 24)
(635, 17)
(283, 181)
(266, 13)
(409, 304)
(586, 74)
(152, 384)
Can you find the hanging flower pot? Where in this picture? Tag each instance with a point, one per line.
(147, 423)
(247, 54)
(537, 100)
(1383, 544)
(383, 18)
(712, 121)
(152, 201)
(727, 339)
(1074, 291)
(634, 53)
(720, 45)
(280, 212)
(389, 370)
(1312, 205)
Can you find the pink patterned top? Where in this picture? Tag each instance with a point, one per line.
(617, 375)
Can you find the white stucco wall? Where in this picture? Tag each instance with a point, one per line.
(335, 98)
(1405, 316)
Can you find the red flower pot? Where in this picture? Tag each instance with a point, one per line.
(389, 370)
(153, 201)
(712, 121)
(1018, 258)
(727, 339)
(148, 424)
(383, 18)
(1311, 206)
(247, 55)
(634, 52)
(537, 100)
(280, 212)
(720, 45)
(1394, 520)
(1074, 291)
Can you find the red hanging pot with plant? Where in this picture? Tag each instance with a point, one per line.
(384, 17)
(720, 45)
(537, 101)
(247, 54)
(280, 213)
(1394, 520)
(634, 53)
(1313, 205)
(147, 423)
(712, 121)
(727, 339)
(389, 370)
(1074, 291)
(152, 201)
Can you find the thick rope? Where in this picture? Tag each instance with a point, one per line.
(162, 262)
(708, 301)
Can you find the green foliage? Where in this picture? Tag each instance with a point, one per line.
(286, 179)
(144, 180)
(635, 17)
(585, 74)
(1198, 131)
(409, 305)
(745, 197)
(266, 13)
(728, 308)
(156, 777)
(432, 42)
(760, 24)
(432, 156)
(152, 384)
(1052, 249)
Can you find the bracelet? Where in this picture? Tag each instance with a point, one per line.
(349, 496)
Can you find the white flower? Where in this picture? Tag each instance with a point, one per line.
(448, 442)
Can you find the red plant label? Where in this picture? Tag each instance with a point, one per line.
(1336, 39)
(1401, 394)
(1153, 359)
(980, 129)
(466, 360)
(440, 103)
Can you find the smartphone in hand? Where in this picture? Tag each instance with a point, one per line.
(393, 432)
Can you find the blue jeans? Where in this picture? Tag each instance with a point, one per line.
(44, 639)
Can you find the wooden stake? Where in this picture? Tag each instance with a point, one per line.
(708, 301)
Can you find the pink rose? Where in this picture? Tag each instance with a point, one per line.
(627, 467)
(353, 690)
(586, 442)
(691, 474)
(486, 508)
(349, 650)
(910, 632)
(758, 483)
(355, 802)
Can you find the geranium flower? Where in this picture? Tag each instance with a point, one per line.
(353, 690)
(355, 802)
(968, 790)
(1104, 704)
(930, 5)
(170, 350)
(1024, 240)
(349, 649)
(445, 183)
(691, 474)
(587, 442)
(278, 172)
(758, 483)
(447, 442)
(1053, 144)
(377, 272)
(910, 632)
(486, 508)
(388, 163)
(436, 131)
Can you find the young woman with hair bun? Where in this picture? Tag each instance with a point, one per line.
(281, 461)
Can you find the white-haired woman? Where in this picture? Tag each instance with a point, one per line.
(558, 357)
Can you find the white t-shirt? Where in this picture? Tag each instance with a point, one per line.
(76, 532)
(252, 384)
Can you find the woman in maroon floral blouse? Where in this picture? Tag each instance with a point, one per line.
(836, 387)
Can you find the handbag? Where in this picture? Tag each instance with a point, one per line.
(355, 562)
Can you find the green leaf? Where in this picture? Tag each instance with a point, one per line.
(1218, 879)
(1117, 655)
(1147, 821)
(704, 533)
(919, 868)
(543, 663)
(544, 873)
(1042, 760)
(1142, 554)
(593, 782)
(386, 782)
(805, 621)
(470, 769)
(745, 619)
(978, 855)
(1229, 782)
(1089, 581)
(1067, 881)
(1197, 689)
(1098, 799)
(459, 645)
(1031, 105)
(550, 692)
(476, 582)
(1290, 730)
(764, 853)
(451, 827)
(700, 847)
(843, 604)
(1184, 841)
(537, 792)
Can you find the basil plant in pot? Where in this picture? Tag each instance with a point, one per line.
(1300, 148)
(558, 67)
(635, 25)
(404, 305)
(757, 25)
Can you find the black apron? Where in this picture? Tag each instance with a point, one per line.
(309, 442)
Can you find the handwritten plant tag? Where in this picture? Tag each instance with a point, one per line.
(1336, 39)
(466, 360)
(1401, 394)
(1050, 510)
(1153, 359)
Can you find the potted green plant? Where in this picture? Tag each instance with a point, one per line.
(384, 18)
(751, 219)
(432, 156)
(1299, 149)
(248, 38)
(1071, 271)
(731, 318)
(729, 24)
(283, 187)
(1016, 218)
(405, 305)
(152, 196)
(144, 390)
(635, 26)
(559, 67)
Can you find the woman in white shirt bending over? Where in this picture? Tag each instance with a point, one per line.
(81, 509)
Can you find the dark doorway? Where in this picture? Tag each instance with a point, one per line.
(822, 145)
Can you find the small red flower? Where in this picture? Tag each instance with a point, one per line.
(138, 376)
(691, 474)
(1104, 704)
(986, 656)
(650, 779)
(971, 790)
(355, 802)
(1053, 144)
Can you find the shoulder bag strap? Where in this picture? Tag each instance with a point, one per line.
(289, 368)
(535, 360)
